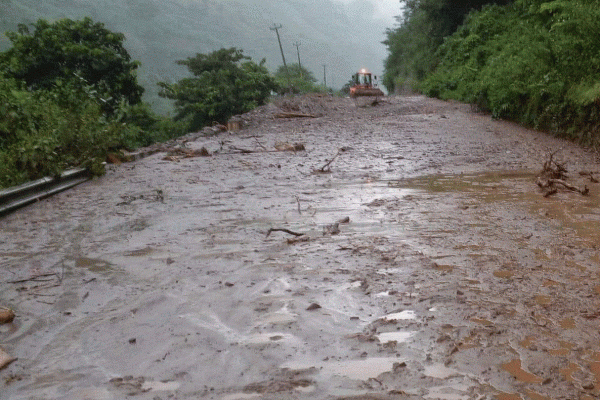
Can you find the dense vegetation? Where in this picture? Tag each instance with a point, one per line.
(297, 79)
(533, 61)
(224, 83)
(69, 96)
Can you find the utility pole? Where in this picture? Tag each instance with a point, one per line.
(297, 44)
(276, 28)
(325, 75)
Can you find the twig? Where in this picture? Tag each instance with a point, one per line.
(584, 191)
(259, 143)
(322, 169)
(284, 230)
(298, 201)
(35, 278)
(294, 115)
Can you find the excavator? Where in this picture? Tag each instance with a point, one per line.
(364, 85)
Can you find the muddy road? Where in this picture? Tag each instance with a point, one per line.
(430, 266)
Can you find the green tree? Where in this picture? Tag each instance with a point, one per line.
(82, 52)
(224, 83)
(534, 61)
(301, 79)
(413, 44)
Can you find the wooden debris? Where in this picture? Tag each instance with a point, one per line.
(298, 239)
(325, 169)
(283, 230)
(294, 115)
(554, 174)
(282, 146)
(181, 153)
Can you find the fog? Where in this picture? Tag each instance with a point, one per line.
(336, 37)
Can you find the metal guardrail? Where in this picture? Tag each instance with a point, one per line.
(22, 195)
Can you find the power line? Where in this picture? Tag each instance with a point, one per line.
(298, 44)
(276, 28)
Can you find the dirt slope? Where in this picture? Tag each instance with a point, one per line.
(430, 265)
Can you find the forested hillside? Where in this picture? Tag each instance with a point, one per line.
(159, 32)
(532, 61)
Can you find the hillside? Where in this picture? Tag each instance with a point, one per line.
(161, 31)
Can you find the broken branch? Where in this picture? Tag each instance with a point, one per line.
(284, 230)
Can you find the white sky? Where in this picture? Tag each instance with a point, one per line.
(385, 9)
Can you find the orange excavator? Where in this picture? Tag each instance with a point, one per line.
(364, 85)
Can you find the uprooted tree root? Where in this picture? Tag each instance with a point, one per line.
(554, 175)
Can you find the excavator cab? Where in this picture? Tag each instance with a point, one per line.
(363, 85)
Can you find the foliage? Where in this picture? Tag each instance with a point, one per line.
(44, 132)
(224, 83)
(412, 45)
(298, 78)
(67, 50)
(68, 105)
(535, 62)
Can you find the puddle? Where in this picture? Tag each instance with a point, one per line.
(266, 338)
(401, 316)
(93, 265)
(514, 368)
(543, 300)
(504, 274)
(440, 371)
(400, 337)
(568, 372)
(241, 396)
(352, 369)
(535, 396)
(450, 392)
(482, 321)
(575, 212)
(508, 396)
(139, 252)
(362, 369)
(160, 386)
(567, 323)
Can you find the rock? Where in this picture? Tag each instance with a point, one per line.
(6, 315)
(5, 358)
(313, 306)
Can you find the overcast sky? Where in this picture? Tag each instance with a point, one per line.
(385, 9)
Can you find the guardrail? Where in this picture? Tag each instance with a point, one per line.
(22, 195)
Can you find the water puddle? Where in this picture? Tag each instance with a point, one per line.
(160, 386)
(93, 265)
(401, 316)
(575, 212)
(503, 274)
(568, 372)
(398, 337)
(351, 369)
(450, 392)
(514, 368)
(535, 396)
(241, 396)
(440, 371)
(267, 338)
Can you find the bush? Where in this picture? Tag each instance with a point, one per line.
(534, 62)
(224, 83)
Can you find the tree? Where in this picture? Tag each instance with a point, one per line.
(301, 79)
(224, 83)
(80, 52)
(413, 44)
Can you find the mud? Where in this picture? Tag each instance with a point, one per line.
(455, 278)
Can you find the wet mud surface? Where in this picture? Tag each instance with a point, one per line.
(454, 277)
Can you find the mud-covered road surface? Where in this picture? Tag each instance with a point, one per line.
(430, 265)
